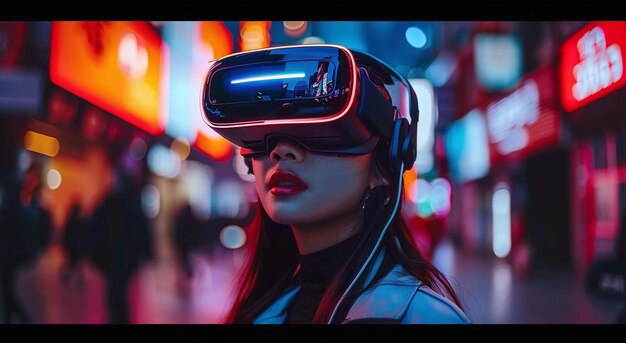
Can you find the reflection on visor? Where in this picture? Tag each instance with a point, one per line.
(267, 77)
(273, 81)
(279, 84)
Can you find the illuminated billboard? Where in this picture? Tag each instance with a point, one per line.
(592, 63)
(497, 60)
(194, 46)
(525, 119)
(466, 147)
(426, 127)
(117, 66)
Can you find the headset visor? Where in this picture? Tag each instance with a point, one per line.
(326, 97)
(278, 84)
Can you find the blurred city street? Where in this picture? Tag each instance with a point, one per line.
(122, 201)
(158, 293)
(493, 293)
(489, 290)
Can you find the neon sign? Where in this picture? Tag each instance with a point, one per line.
(526, 119)
(115, 65)
(592, 64)
(507, 118)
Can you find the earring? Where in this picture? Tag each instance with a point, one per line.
(365, 199)
(374, 196)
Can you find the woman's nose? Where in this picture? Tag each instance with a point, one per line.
(287, 150)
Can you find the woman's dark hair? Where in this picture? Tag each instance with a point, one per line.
(273, 258)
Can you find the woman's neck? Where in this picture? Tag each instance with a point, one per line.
(313, 237)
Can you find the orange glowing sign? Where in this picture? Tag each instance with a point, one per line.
(254, 35)
(216, 35)
(410, 176)
(114, 65)
(40, 143)
(217, 147)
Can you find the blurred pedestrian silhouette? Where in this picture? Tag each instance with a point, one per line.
(9, 225)
(120, 242)
(187, 237)
(25, 229)
(75, 245)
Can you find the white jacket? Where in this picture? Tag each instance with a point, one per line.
(398, 297)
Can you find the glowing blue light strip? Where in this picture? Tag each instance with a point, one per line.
(268, 77)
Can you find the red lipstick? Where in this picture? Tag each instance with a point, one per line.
(286, 183)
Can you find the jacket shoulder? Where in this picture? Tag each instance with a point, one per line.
(428, 307)
(400, 297)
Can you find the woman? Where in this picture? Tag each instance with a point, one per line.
(329, 244)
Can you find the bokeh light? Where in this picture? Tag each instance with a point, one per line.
(416, 37)
(53, 179)
(233, 237)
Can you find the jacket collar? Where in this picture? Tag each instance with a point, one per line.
(276, 313)
(387, 299)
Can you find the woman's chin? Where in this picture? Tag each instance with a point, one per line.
(288, 217)
(284, 218)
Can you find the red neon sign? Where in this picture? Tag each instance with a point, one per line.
(114, 65)
(526, 119)
(592, 63)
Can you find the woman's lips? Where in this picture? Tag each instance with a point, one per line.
(286, 183)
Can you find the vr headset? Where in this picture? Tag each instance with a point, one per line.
(329, 99)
